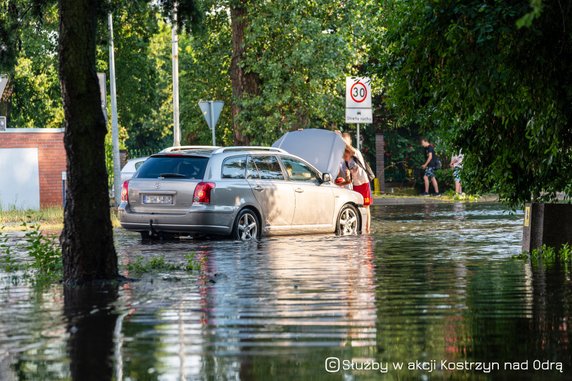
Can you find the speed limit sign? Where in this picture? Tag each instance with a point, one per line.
(358, 100)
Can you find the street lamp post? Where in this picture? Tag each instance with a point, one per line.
(114, 124)
(175, 53)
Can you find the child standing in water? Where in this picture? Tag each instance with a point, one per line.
(457, 165)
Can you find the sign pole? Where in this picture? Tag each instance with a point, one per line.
(358, 138)
(212, 122)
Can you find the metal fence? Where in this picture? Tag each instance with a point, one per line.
(141, 152)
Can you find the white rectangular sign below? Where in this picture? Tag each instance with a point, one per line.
(359, 115)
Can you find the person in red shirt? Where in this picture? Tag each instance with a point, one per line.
(360, 181)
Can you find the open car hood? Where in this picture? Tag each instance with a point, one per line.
(323, 149)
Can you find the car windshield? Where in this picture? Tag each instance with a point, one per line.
(185, 167)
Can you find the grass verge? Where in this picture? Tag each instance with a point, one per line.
(50, 218)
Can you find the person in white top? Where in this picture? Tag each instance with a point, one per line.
(360, 181)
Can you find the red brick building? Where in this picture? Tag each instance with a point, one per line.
(16, 143)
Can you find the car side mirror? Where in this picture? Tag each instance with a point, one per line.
(326, 178)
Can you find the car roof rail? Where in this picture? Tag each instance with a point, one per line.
(188, 148)
(249, 148)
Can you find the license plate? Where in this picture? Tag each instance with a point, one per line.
(157, 199)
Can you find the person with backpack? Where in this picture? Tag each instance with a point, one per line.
(361, 176)
(431, 163)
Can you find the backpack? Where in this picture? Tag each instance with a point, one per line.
(366, 168)
(437, 164)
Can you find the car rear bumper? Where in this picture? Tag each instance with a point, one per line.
(200, 219)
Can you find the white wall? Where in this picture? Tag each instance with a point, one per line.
(19, 178)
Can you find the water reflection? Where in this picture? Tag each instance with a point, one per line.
(435, 282)
(91, 321)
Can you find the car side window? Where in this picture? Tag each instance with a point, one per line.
(251, 171)
(298, 170)
(264, 168)
(234, 168)
(138, 164)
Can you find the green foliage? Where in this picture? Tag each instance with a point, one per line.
(44, 251)
(16, 16)
(300, 53)
(141, 266)
(36, 99)
(156, 264)
(193, 263)
(549, 256)
(7, 261)
(499, 92)
(403, 156)
(463, 197)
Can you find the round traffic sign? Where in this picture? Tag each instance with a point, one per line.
(358, 92)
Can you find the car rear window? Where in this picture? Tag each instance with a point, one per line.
(173, 167)
(234, 167)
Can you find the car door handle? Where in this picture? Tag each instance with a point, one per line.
(258, 188)
(299, 190)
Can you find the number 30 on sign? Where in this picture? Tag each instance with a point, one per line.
(358, 92)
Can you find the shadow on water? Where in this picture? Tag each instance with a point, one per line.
(435, 282)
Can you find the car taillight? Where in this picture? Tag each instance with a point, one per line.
(125, 192)
(203, 193)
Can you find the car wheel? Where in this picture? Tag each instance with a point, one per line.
(348, 221)
(247, 226)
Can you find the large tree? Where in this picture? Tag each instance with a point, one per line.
(491, 77)
(87, 238)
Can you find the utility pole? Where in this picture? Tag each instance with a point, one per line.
(175, 53)
(114, 127)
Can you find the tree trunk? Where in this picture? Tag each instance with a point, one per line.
(87, 237)
(243, 83)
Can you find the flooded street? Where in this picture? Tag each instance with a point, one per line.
(434, 282)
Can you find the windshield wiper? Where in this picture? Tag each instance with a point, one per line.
(172, 175)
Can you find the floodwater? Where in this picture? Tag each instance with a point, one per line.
(433, 283)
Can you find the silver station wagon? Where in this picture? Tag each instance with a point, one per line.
(243, 192)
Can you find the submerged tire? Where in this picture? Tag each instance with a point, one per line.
(247, 226)
(348, 221)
